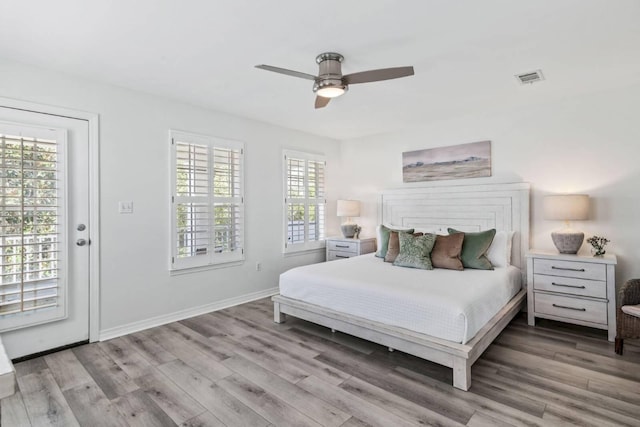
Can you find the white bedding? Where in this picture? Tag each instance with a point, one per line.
(448, 304)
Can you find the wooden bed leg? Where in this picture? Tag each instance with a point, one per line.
(461, 373)
(278, 317)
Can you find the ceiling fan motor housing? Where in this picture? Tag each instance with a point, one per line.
(330, 74)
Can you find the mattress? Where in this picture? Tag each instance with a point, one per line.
(447, 304)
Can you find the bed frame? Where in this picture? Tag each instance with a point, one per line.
(466, 208)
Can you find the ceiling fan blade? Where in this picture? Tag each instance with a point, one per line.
(321, 101)
(287, 72)
(377, 75)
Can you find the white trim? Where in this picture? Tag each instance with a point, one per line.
(152, 322)
(94, 196)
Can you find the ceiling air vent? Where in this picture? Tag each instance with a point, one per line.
(531, 77)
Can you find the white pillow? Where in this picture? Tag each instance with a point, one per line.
(499, 253)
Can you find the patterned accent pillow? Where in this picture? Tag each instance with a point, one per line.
(474, 249)
(415, 250)
(394, 245)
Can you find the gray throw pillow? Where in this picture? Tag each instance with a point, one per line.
(475, 247)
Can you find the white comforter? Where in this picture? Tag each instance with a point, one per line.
(453, 305)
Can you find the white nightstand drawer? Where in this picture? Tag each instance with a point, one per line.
(571, 308)
(333, 255)
(577, 269)
(569, 285)
(342, 246)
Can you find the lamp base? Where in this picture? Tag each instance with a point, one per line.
(349, 230)
(567, 241)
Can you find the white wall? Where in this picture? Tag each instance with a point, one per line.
(588, 144)
(134, 165)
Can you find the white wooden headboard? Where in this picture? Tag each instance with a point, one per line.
(464, 207)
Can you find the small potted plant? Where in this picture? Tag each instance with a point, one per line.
(598, 244)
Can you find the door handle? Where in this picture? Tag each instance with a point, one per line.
(82, 242)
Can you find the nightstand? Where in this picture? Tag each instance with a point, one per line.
(578, 289)
(342, 247)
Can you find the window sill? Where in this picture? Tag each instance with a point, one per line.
(200, 268)
(303, 252)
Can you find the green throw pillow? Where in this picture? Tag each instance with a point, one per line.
(383, 238)
(415, 250)
(475, 247)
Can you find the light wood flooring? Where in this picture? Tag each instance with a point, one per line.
(235, 367)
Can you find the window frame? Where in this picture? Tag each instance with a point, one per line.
(307, 245)
(212, 259)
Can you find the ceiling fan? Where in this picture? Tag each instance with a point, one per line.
(330, 83)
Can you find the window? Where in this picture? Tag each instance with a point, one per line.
(32, 181)
(304, 201)
(207, 201)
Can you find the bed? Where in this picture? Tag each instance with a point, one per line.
(414, 315)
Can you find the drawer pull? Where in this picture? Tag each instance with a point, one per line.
(342, 246)
(569, 308)
(341, 256)
(568, 286)
(567, 269)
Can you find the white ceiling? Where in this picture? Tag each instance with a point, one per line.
(465, 53)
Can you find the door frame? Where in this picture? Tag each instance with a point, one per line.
(93, 120)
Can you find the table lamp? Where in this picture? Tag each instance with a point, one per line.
(567, 207)
(348, 209)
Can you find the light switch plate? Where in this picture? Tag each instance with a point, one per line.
(125, 207)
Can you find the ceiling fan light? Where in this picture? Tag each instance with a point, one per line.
(331, 91)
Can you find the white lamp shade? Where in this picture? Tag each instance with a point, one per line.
(348, 208)
(566, 207)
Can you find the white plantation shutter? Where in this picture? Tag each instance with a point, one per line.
(305, 202)
(207, 199)
(32, 288)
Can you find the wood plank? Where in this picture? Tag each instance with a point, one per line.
(429, 386)
(30, 366)
(13, 412)
(590, 413)
(217, 349)
(480, 419)
(317, 409)
(67, 369)
(349, 403)
(308, 365)
(612, 390)
(483, 386)
(588, 397)
(174, 401)
(264, 403)
(193, 355)
(375, 371)
(206, 419)
(392, 403)
(274, 363)
(44, 401)
(139, 410)
(355, 422)
(105, 372)
(149, 349)
(223, 405)
(92, 408)
(129, 360)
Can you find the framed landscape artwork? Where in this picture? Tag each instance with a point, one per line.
(471, 160)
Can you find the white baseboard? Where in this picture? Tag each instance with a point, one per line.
(130, 328)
